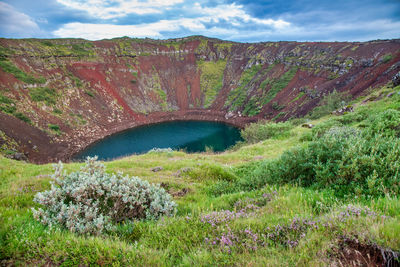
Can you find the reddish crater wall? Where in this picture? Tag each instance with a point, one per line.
(107, 86)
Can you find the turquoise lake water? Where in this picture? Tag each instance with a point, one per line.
(191, 136)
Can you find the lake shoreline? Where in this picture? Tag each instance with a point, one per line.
(69, 144)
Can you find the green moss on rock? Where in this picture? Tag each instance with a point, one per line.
(211, 79)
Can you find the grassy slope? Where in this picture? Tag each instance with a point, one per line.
(181, 240)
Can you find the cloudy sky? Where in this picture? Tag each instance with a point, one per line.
(236, 20)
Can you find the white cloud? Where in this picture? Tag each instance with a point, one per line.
(16, 24)
(232, 14)
(102, 31)
(235, 15)
(109, 9)
(340, 31)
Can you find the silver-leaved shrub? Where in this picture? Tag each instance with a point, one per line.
(92, 201)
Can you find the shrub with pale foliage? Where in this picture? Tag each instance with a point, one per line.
(92, 201)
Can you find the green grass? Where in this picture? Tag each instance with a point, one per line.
(180, 240)
(238, 96)
(22, 117)
(43, 94)
(89, 93)
(278, 85)
(252, 107)
(8, 105)
(387, 57)
(57, 111)
(297, 97)
(79, 49)
(211, 75)
(55, 128)
(19, 74)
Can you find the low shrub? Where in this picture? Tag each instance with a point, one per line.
(92, 201)
(260, 131)
(343, 160)
(321, 128)
(354, 117)
(386, 123)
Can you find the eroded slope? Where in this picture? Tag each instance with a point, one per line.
(57, 96)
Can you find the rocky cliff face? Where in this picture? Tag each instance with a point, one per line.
(57, 96)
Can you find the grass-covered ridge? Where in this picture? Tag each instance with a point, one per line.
(239, 207)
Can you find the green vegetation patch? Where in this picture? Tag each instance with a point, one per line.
(9, 67)
(77, 81)
(211, 78)
(386, 58)
(153, 83)
(78, 119)
(7, 105)
(300, 95)
(82, 49)
(278, 85)
(5, 52)
(22, 117)
(329, 103)
(160, 92)
(279, 115)
(89, 93)
(276, 106)
(43, 94)
(238, 96)
(54, 47)
(174, 44)
(7, 144)
(252, 107)
(57, 111)
(203, 45)
(224, 46)
(55, 128)
(349, 160)
(343, 159)
(126, 47)
(250, 77)
(263, 130)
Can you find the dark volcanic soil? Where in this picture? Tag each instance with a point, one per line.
(353, 253)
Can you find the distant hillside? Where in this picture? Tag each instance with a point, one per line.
(59, 95)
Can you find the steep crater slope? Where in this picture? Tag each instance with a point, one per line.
(59, 95)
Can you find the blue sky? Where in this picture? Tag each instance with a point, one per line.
(241, 20)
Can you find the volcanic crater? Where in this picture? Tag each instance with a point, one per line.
(57, 96)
